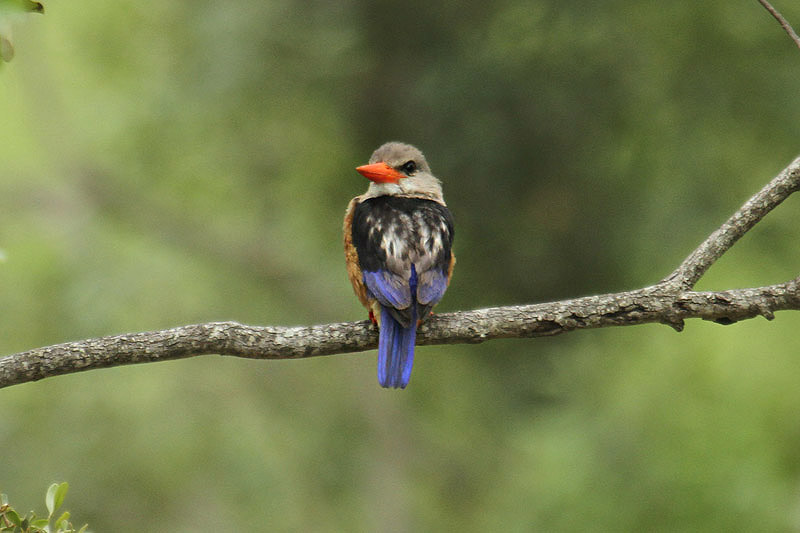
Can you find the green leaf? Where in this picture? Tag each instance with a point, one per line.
(61, 493)
(83, 529)
(13, 517)
(55, 496)
(63, 518)
(40, 523)
(50, 498)
(3, 499)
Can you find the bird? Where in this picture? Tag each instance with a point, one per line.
(398, 239)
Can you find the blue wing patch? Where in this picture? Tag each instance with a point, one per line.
(388, 288)
(431, 287)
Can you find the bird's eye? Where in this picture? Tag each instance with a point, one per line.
(408, 168)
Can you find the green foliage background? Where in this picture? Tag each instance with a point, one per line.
(164, 163)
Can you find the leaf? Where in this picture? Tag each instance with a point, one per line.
(61, 493)
(3, 499)
(40, 523)
(63, 518)
(50, 498)
(13, 517)
(55, 496)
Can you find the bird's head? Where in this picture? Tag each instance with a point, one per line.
(399, 169)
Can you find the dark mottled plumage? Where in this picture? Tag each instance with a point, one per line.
(391, 233)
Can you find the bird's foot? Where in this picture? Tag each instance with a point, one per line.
(421, 320)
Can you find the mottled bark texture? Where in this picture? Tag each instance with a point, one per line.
(670, 302)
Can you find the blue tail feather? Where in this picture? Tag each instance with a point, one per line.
(396, 343)
(395, 350)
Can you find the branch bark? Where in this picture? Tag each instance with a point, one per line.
(670, 301)
(782, 21)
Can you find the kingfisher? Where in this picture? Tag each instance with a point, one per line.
(398, 239)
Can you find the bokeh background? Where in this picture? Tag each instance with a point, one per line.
(166, 163)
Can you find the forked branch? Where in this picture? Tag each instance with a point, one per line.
(670, 302)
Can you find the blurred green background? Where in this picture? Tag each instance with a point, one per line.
(166, 163)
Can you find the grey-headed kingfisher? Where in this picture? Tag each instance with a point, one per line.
(398, 239)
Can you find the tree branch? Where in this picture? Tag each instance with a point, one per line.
(719, 242)
(670, 302)
(782, 21)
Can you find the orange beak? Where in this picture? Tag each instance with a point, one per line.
(380, 173)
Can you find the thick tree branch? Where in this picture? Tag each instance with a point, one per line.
(670, 302)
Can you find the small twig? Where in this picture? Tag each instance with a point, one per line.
(782, 21)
